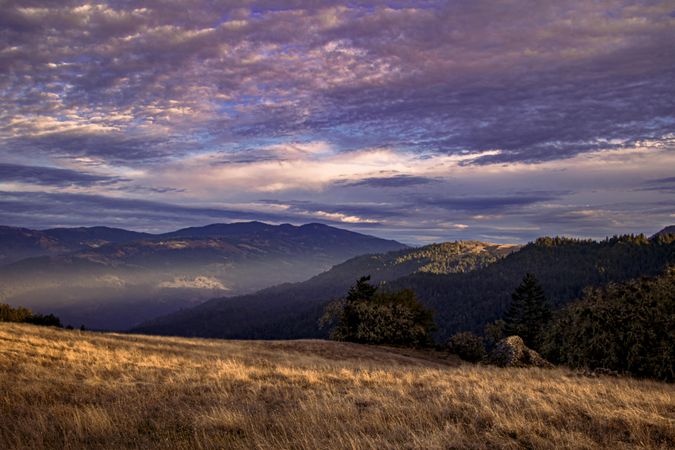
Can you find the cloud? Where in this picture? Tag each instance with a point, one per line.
(360, 212)
(487, 204)
(660, 185)
(443, 77)
(43, 209)
(50, 176)
(389, 182)
(415, 117)
(46, 209)
(111, 147)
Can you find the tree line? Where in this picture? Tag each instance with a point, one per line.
(25, 315)
(623, 327)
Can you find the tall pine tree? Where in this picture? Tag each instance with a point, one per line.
(360, 292)
(529, 312)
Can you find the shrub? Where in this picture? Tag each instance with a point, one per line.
(467, 346)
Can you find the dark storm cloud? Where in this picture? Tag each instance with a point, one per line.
(50, 176)
(111, 147)
(15, 205)
(669, 180)
(411, 205)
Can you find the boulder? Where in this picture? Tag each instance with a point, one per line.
(512, 352)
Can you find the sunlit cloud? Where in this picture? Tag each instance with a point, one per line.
(425, 120)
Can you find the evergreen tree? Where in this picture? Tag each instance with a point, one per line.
(359, 293)
(370, 317)
(9, 314)
(624, 327)
(19, 314)
(529, 312)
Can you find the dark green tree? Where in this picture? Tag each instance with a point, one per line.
(360, 293)
(19, 314)
(493, 333)
(625, 327)
(368, 316)
(9, 314)
(48, 320)
(529, 312)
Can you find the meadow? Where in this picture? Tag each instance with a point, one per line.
(72, 389)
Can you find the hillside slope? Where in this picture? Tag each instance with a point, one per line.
(666, 231)
(564, 267)
(116, 285)
(461, 300)
(67, 389)
(283, 312)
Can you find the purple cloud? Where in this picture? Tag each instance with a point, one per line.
(50, 176)
(154, 99)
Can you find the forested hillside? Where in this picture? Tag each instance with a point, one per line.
(465, 300)
(292, 310)
(624, 327)
(563, 266)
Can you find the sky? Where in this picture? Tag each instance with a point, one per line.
(422, 121)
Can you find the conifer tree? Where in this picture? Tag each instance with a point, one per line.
(529, 312)
(368, 316)
(360, 292)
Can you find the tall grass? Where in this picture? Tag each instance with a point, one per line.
(71, 389)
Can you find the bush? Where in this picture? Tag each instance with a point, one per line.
(494, 332)
(368, 316)
(467, 346)
(627, 328)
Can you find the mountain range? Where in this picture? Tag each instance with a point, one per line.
(110, 278)
(255, 280)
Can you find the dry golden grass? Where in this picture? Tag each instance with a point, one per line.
(67, 389)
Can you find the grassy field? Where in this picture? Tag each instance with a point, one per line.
(72, 389)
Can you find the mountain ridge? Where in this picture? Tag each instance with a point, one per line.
(170, 270)
(18, 243)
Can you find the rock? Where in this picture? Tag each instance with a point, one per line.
(512, 352)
